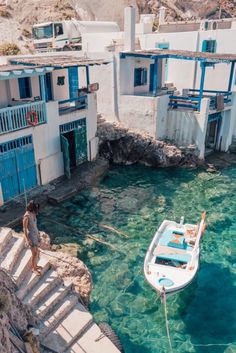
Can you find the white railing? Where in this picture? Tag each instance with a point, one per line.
(14, 118)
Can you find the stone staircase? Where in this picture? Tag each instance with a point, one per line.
(65, 325)
(232, 147)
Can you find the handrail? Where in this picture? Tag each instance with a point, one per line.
(72, 99)
(14, 118)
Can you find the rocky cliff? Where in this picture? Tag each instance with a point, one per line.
(11, 311)
(120, 145)
(17, 17)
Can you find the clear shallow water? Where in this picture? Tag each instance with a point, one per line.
(135, 200)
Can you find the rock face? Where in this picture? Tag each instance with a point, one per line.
(11, 310)
(122, 146)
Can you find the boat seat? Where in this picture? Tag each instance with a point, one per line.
(183, 258)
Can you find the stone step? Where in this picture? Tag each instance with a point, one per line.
(48, 281)
(61, 310)
(68, 331)
(31, 279)
(5, 235)
(53, 298)
(88, 343)
(12, 255)
(22, 266)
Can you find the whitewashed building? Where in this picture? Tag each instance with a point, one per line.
(169, 93)
(48, 120)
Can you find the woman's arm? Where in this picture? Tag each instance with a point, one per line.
(25, 229)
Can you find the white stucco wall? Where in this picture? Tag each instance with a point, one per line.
(136, 113)
(4, 96)
(186, 127)
(46, 138)
(97, 42)
(104, 75)
(60, 92)
(182, 72)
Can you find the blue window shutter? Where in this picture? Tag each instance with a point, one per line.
(24, 87)
(209, 46)
(204, 46)
(21, 84)
(144, 77)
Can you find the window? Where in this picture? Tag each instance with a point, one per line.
(209, 46)
(43, 32)
(25, 87)
(58, 28)
(60, 80)
(162, 45)
(140, 76)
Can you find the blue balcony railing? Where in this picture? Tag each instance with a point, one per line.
(193, 100)
(70, 105)
(14, 118)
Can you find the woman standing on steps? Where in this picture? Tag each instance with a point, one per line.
(31, 234)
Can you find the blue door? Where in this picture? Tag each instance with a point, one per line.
(8, 175)
(164, 46)
(66, 156)
(151, 77)
(48, 86)
(17, 167)
(73, 81)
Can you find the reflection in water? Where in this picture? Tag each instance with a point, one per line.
(135, 200)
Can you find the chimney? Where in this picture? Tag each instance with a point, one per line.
(129, 28)
(162, 15)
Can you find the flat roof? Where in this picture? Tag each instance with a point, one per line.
(182, 54)
(60, 61)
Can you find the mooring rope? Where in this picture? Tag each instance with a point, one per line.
(163, 297)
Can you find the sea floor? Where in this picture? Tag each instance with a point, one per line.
(124, 211)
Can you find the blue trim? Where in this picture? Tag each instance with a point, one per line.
(214, 117)
(155, 77)
(151, 75)
(73, 81)
(72, 125)
(87, 75)
(140, 76)
(13, 144)
(209, 46)
(231, 76)
(43, 88)
(25, 90)
(203, 70)
(175, 56)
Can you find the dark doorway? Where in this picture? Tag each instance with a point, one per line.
(71, 139)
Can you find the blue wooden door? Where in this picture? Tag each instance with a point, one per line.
(73, 81)
(26, 167)
(8, 175)
(80, 136)
(17, 167)
(151, 77)
(66, 156)
(48, 86)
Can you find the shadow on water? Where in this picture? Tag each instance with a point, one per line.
(209, 314)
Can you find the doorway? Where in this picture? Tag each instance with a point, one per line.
(73, 145)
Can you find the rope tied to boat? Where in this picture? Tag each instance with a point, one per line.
(163, 299)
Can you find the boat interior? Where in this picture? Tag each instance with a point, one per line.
(175, 246)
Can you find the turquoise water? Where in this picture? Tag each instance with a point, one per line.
(135, 200)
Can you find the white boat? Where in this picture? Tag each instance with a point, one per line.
(172, 259)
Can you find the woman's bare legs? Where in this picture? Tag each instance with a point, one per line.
(34, 259)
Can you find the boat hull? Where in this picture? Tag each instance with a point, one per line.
(171, 263)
